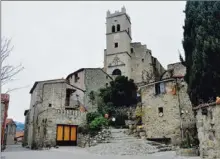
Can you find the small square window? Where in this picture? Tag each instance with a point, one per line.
(49, 105)
(204, 111)
(76, 77)
(116, 45)
(160, 110)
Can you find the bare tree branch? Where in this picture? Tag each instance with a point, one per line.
(8, 71)
(14, 89)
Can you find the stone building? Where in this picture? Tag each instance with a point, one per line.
(208, 127)
(59, 106)
(88, 79)
(57, 102)
(168, 114)
(124, 57)
(26, 127)
(4, 115)
(10, 132)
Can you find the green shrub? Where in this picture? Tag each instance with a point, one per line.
(91, 116)
(97, 124)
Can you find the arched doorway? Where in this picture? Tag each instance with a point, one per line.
(116, 72)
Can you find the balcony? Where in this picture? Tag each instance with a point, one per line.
(72, 105)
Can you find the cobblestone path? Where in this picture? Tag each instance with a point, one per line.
(122, 144)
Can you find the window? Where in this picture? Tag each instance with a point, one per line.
(142, 60)
(116, 45)
(68, 94)
(132, 50)
(113, 28)
(116, 72)
(157, 88)
(160, 88)
(160, 110)
(76, 77)
(204, 111)
(118, 27)
(49, 105)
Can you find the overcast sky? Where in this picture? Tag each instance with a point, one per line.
(53, 39)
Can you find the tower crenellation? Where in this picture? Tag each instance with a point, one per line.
(117, 13)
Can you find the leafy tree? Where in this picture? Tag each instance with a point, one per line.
(121, 92)
(201, 44)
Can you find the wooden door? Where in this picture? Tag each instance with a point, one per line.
(66, 135)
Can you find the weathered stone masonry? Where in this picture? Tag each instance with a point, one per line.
(167, 108)
(208, 127)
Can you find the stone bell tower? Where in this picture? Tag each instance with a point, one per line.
(118, 39)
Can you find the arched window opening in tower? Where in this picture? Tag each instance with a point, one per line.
(113, 28)
(116, 72)
(118, 27)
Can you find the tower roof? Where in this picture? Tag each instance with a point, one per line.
(118, 13)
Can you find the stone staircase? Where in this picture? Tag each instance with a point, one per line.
(161, 147)
(123, 144)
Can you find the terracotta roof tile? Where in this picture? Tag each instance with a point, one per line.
(19, 134)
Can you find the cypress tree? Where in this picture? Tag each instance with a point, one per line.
(201, 43)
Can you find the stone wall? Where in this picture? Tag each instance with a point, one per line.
(94, 80)
(166, 114)
(11, 132)
(85, 140)
(45, 96)
(141, 62)
(178, 68)
(208, 127)
(80, 82)
(3, 109)
(26, 127)
(49, 119)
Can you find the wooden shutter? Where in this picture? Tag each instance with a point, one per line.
(59, 133)
(162, 87)
(66, 133)
(73, 133)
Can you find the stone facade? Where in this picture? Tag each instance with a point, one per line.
(26, 127)
(167, 108)
(10, 132)
(88, 79)
(208, 127)
(124, 57)
(4, 115)
(61, 101)
(49, 119)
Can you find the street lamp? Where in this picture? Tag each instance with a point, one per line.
(113, 119)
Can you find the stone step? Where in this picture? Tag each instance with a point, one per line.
(115, 141)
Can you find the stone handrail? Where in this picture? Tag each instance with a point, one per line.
(75, 113)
